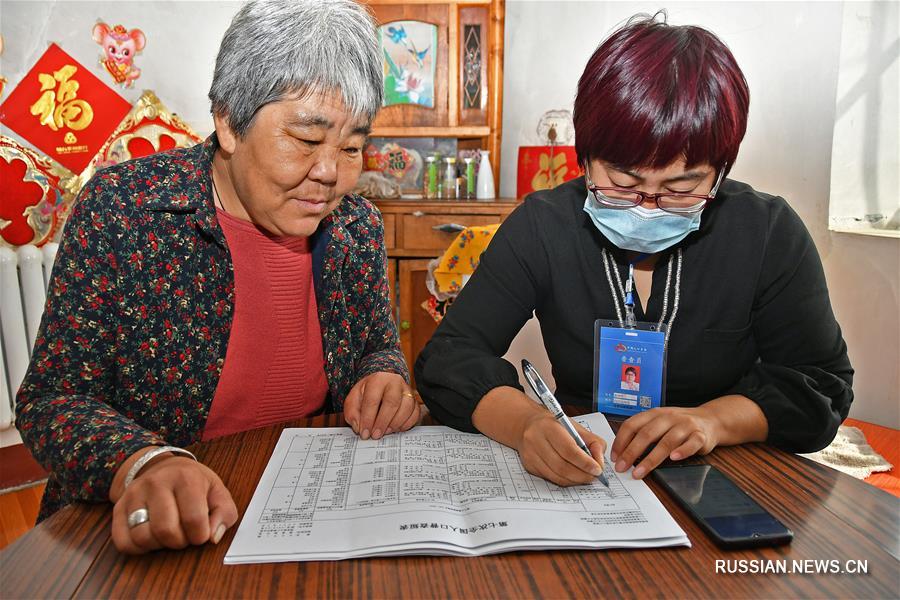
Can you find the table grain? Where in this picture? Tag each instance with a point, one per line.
(833, 516)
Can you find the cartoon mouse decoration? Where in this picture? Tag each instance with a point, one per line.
(119, 49)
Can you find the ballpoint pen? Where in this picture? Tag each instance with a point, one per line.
(552, 404)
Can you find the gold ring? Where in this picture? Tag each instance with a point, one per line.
(410, 394)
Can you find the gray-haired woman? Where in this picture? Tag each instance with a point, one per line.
(228, 286)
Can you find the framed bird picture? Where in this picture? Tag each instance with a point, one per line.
(442, 70)
(408, 49)
(435, 58)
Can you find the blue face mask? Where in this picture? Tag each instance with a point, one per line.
(640, 229)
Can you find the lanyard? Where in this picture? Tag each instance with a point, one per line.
(629, 292)
(628, 296)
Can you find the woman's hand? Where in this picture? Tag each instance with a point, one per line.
(548, 451)
(186, 501)
(682, 432)
(677, 433)
(380, 404)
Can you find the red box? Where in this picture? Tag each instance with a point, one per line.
(545, 167)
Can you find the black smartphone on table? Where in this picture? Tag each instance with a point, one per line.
(731, 517)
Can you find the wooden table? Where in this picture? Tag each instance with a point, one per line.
(833, 516)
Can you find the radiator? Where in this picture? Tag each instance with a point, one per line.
(24, 274)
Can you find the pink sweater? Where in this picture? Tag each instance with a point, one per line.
(274, 367)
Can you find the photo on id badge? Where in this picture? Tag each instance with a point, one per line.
(629, 367)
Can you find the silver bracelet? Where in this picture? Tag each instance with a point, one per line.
(142, 461)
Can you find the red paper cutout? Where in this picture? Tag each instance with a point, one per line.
(150, 127)
(138, 147)
(63, 109)
(17, 196)
(36, 195)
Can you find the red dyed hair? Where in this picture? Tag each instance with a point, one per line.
(653, 93)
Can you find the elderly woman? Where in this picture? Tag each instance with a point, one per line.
(228, 286)
(754, 352)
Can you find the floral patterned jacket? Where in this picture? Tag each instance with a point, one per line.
(139, 311)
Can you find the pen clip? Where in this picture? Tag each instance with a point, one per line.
(545, 396)
(534, 379)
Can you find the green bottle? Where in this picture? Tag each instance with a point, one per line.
(431, 177)
(470, 176)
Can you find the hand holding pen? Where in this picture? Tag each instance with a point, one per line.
(549, 401)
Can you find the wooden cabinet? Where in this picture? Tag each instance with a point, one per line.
(468, 77)
(418, 233)
(416, 325)
(465, 104)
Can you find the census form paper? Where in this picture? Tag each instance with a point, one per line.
(327, 495)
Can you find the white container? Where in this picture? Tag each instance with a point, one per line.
(484, 187)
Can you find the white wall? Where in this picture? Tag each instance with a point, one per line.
(789, 52)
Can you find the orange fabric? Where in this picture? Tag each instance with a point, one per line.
(462, 257)
(886, 442)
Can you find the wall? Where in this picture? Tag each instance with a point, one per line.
(789, 52)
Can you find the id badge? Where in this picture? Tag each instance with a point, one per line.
(629, 367)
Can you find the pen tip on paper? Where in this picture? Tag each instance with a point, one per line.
(603, 479)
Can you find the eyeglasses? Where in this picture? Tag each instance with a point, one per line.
(680, 204)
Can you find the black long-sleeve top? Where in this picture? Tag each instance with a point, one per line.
(754, 315)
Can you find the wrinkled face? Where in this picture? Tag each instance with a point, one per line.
(294, 164)
(118, 51)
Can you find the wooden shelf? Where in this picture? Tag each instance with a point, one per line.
(416, 230)
(450, 132)
(474, 119)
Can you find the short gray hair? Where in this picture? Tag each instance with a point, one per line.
(278, 48)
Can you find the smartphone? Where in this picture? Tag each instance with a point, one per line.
(731, 517)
